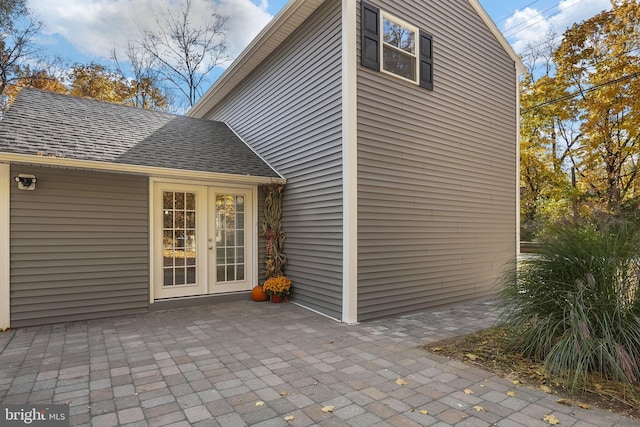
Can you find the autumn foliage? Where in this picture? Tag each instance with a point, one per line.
(580, 123)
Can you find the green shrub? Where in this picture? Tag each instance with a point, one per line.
(576, 304)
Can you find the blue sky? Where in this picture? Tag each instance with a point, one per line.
(86, 31)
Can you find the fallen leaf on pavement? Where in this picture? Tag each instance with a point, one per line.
(401, 381)
(511, 393)
(478, 408)
(546, 389)
(329, 408)
(551, 419)
(289, 418)
(259, 403)
(468, 391)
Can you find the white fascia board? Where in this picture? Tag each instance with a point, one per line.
(520, 68)
(349, 164)
(254, 151)
(134, 169)
(5, 277)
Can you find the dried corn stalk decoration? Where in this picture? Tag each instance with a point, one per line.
(274, 259)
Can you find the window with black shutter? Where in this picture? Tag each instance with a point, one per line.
(390, 45)
(370, 18)
(426, 61)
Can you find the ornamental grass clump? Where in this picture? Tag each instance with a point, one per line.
(576, 304)
(279, 286)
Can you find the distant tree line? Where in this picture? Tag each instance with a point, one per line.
(166, 69)
(580, 122)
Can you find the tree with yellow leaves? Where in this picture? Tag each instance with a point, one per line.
(580, 124)
(96, 81)
(598, 63)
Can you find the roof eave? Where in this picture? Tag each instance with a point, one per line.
(292, 15)
(63, 162)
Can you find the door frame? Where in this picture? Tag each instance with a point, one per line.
(204, 189)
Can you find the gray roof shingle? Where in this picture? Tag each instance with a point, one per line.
(51, 124)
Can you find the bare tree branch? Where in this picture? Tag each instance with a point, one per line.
(16, 49)
(187, 52)
(144, 88)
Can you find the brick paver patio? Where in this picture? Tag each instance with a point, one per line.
(264, 364)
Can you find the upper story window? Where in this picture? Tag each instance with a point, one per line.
(393, 46)
(399, 54)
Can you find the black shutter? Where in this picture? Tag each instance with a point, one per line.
(370, 31)
(426, 61)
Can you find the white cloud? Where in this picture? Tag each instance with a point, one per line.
(530, 26)
(95, 27)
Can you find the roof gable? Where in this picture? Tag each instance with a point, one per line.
(53, 125)
(292, 16)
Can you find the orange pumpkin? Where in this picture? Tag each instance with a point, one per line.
(258, 294)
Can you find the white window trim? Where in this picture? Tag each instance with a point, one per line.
(5, 277)
(382, 43)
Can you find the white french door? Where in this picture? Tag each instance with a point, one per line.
(203, 240)
(228, 242)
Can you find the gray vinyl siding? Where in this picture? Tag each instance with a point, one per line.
(289, 111)
(436, 169)
(79, 246)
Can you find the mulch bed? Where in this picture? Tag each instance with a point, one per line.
(489, 350)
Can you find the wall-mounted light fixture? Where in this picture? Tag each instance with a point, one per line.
(26, 182)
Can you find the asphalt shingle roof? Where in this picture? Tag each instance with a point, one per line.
(50, 124)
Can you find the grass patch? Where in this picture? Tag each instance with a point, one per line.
(491, 350)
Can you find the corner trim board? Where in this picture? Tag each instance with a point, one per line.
(5, 245)
(349, 163)
(152, 225)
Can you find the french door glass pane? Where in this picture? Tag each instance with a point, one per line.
(179, 238)
(230, 237)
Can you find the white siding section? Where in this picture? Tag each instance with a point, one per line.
(437, 169)
(289, 111)
(79, 246)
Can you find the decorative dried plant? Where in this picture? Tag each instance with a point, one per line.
(274, 259)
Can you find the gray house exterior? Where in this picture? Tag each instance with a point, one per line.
(394, 124)
(132, 210)
(402, 179)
